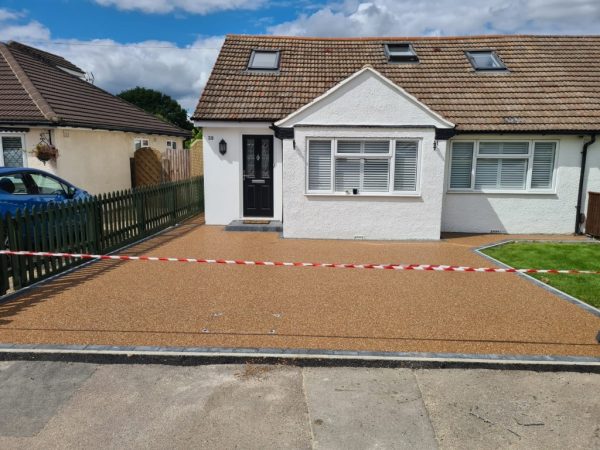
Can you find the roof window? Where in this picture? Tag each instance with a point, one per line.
(401, 53)
(264, 60)
(485, 60)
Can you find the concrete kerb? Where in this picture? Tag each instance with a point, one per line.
(183, 356)
(555, 291)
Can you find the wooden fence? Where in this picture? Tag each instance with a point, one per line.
(592, 222)
(176, 164)
(97, 225)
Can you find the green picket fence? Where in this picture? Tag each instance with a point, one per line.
(97, 225)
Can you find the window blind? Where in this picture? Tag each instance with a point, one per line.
(543, 165)
(347, 174)
(503, 148)
(348, 146)
(376, 175)
(501, 173)
(405, 166)
(461, 165)
(377, 147)
(319, 166)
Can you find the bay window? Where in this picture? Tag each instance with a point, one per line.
(351, 166)
(502, 166)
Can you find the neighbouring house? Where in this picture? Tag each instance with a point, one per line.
(46, 99)
(402, 138)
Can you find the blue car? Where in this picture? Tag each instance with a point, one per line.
(23, 188)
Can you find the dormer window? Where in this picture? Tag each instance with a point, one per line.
(485, 60)
(401, 53)
(264, 60)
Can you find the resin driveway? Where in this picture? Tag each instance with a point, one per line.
(195, 305)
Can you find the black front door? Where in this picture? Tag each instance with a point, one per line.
(258, 176)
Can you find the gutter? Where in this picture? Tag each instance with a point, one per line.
(580, 215)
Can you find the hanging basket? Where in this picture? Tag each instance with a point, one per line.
(45, 152)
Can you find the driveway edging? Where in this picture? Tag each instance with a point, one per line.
(300, 357)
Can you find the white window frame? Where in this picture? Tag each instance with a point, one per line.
(390, 156)
(24, 153)
(141, 140)
(529, 156)
(170, 144)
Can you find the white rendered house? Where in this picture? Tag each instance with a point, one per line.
(401, 139)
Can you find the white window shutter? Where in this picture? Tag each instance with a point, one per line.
(319, 166)
(347, 174)
(501, 174)
(377, 147)
(405, 166)
(461, 165)
(376, 175)
(513, 173)
(486, 175)
(348, 147)
(503, 148)
(543, 165)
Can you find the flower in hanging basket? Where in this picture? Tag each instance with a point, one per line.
(45, 152)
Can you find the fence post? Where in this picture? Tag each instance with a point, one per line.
(141, 214)
(13, 244)
(4, 281)
(174, 193)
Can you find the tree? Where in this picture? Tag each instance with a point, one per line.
(159, 104)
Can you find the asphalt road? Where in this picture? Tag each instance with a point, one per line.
(75, 405)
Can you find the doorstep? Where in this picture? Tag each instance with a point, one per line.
(255, 225)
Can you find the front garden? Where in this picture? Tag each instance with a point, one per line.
(548, 255)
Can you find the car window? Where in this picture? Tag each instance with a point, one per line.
(47, 185)
(13, 183)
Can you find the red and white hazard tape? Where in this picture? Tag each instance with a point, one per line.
(421, 267)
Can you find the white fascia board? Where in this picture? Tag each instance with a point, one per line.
(230, 124)
(401, 91)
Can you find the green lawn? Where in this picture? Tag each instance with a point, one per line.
(543, 255)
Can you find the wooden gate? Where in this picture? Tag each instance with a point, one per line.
(147, 167)
(592, 223)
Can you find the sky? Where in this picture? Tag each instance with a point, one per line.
(171, 45)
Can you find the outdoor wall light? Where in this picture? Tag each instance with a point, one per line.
(222, 147)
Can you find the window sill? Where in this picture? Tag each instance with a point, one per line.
(369, 194)
(500, 192)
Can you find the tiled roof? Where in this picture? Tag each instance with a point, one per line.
(34, 91)
(553, 82)
(50, 58)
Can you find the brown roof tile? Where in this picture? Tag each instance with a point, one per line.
(553, 82)
(33, 90)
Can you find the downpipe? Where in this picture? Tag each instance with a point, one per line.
(580, 215)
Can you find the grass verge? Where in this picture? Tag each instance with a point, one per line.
(544, 255)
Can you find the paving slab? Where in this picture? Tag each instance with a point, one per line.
(193, 305)
(32, 392)
(354, 408)
(487, 409)
(156, 407)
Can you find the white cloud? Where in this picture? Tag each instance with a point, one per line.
(445, 17)
(11, 29)
(190, 6)
(180, 72)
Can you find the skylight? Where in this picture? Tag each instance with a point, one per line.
(264, 60)
(401, 53)
(485, 60)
